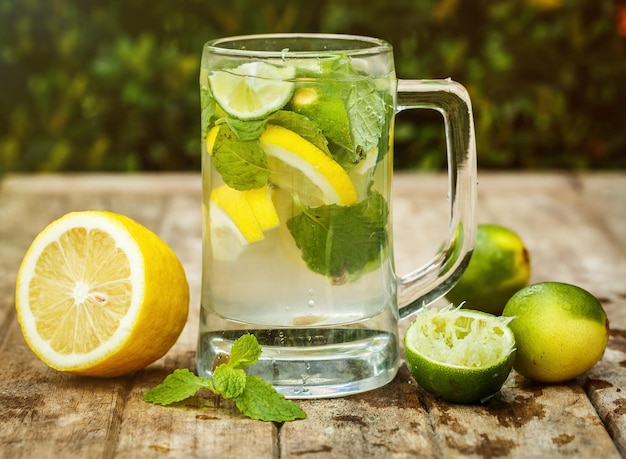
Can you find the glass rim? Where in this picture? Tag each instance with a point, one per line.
(371, 45)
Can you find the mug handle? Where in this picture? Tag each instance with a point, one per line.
(430, 282)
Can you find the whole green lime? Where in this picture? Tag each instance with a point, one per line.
(499, 267)
(561, 331)
(459, 355)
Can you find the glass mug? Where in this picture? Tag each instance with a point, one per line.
(297, 237)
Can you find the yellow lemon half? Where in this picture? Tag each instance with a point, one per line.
(98, 294)
(306, 171)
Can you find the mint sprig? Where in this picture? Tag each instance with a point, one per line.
(254, 397)
(340, 241)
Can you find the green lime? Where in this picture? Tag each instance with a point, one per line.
(459, 355)
(324, 105)
(561, 331)
(499, 267)
(253, 90)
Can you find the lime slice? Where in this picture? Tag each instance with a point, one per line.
(303, 169)
(239, 218)
(252, 90)
(459, 355)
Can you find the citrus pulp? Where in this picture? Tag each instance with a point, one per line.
(98, 294)
(459, 355)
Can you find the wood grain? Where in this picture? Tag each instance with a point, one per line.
(574, 227)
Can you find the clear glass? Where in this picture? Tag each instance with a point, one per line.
(297, 238)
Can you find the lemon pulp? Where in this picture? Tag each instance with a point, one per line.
(303, 169)
(99, 294)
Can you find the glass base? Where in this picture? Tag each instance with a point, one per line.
(311, 362)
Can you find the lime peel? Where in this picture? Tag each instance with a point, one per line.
(460, 355)
(253, 90)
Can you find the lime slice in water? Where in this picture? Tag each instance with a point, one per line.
(459, 355)
(253, 90)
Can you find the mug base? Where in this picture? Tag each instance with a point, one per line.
(306, 363)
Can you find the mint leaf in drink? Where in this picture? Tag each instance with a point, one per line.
(207, 105)
(254, 397)
(367, 112)
(246, 351)
(302, 126)
(323, 103)
(241, 163)
(246, 129)
(261, 401)
(229, 382)
(338, 241)
(178, 386)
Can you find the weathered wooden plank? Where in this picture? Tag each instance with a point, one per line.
(197, 427)
(605, 386)
(524, 420)
(570, 224)
(48, 414)
(388, 422)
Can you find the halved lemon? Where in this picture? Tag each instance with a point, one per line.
(238, 218)
(459, 355)
(98, 294)
(303, 169)
(253, 90)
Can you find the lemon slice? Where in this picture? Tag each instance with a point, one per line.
(239, 218)
(210, 139)
(235, 206)
(460, 355)
(300, 167)
(99, 294)
(253, 90)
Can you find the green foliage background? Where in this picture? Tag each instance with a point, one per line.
(113, 85)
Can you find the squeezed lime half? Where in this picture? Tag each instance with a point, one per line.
(459, 355)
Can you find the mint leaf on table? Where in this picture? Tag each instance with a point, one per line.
(246, 351)
(254, 397)
(229, 382)
(340, 240)
(260, 401)
(241, 163)
(178, 386)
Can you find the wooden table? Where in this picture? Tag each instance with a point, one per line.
(574, 226)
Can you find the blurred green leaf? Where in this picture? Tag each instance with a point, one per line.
(114, 86)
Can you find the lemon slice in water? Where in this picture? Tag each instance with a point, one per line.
(239, 218)
(460, 355)
(306, 171)
(253, 90)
